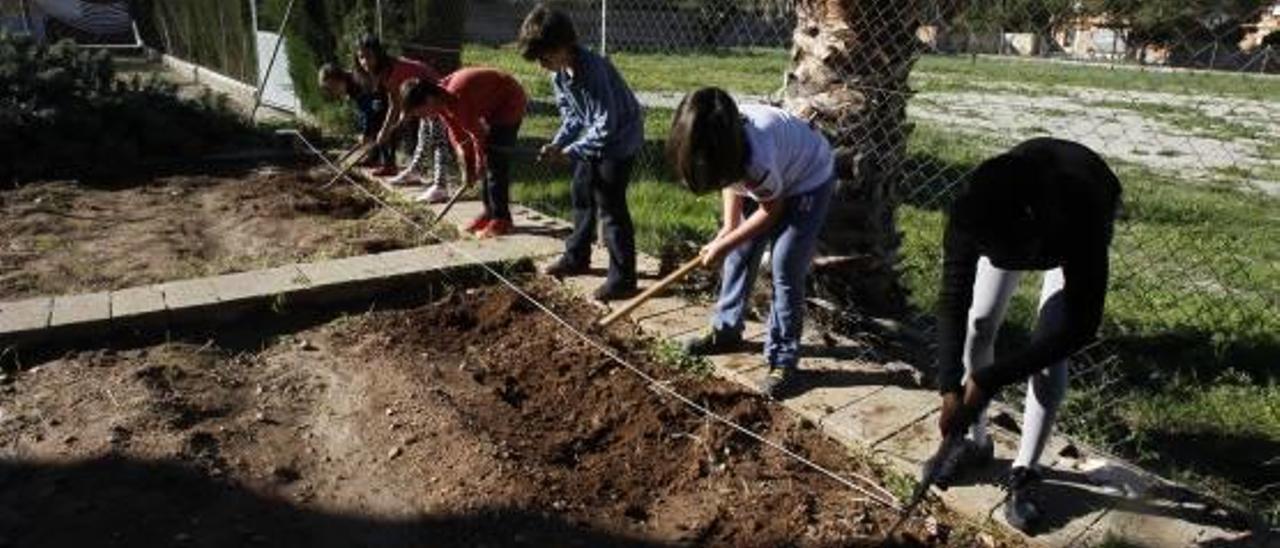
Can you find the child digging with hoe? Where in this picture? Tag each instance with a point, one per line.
(378, 70)
(482, 109)
(775, 175)
(601, 130)
(370, 108)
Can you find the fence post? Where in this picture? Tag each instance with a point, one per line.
(378, 14)
(257, 97)
(604, 28)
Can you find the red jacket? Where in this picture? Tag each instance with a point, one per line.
(402, 69)
(481, 98)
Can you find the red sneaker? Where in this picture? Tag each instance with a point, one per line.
(478, 224)
(386, 171)
(496, 227)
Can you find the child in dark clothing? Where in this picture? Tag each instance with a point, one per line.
(1046, 205)
(370, 109)
(601, 130)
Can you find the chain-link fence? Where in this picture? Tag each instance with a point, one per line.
(916, 94)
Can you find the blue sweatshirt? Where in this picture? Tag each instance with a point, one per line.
(600, 117)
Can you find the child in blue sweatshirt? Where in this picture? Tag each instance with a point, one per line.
(601, 130)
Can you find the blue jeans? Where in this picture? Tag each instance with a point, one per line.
(794, 239)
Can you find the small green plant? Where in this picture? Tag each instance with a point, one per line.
(671, 355)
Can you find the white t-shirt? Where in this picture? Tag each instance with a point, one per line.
(787, 156)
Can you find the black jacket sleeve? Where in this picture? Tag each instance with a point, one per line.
(959, 267)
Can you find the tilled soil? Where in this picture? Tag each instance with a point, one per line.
(475, 420)
(65, 237)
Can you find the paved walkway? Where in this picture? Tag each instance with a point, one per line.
(858, 402)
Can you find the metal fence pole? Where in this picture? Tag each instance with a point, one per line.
(257, 97)
(604, 28)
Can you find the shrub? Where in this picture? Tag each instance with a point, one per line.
(63, 113)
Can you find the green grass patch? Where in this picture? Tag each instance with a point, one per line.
(946, 73)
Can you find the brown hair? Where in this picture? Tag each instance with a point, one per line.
(544, 30)
(331, 72)
(706, 145)
(416, 92)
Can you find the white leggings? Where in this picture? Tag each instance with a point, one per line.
(430, 135)
(992, 289)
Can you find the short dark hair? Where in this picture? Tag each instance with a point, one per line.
(543, 30)
(416, 92)
(707, 145)
(332, 72)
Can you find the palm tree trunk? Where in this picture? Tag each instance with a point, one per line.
(850, 63)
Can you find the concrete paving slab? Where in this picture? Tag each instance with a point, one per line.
(881, 414)
(137, 301)
(89, 308)
(341, 271)
(18, 318)
(260, 284)
(825, 385)
(182, 295)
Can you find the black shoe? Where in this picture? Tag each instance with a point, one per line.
(615, 291)
(775, 383)
(1022, 510)
(971, 456)
(565, 267)
(712, 342)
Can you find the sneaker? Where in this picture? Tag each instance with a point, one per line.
(495, 228)
(615, 291)
(565, 267)
(478, 224)
(389, 171)
(1022, 510)
(712, 342)
(435, 194)
(776, 381)
(971, 455)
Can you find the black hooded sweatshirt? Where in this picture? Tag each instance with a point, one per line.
(1070, 198)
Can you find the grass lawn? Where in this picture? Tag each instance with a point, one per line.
(1190, 323)
(758, 71)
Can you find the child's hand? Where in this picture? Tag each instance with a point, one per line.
(714, 252)
(551, 154)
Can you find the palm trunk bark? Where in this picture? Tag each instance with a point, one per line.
(849, 68)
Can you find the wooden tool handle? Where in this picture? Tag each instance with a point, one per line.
(355, 158)
(643, 297)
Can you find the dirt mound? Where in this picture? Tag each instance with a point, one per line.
(64, 237)
(473, 420)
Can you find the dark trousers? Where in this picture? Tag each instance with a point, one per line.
(496, 192)
(601, 185)
(371, 111)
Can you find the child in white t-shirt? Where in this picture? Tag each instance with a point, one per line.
(776, 175)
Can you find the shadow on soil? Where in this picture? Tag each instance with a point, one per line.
(125, 502)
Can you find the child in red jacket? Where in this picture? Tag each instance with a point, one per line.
(482, 109)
